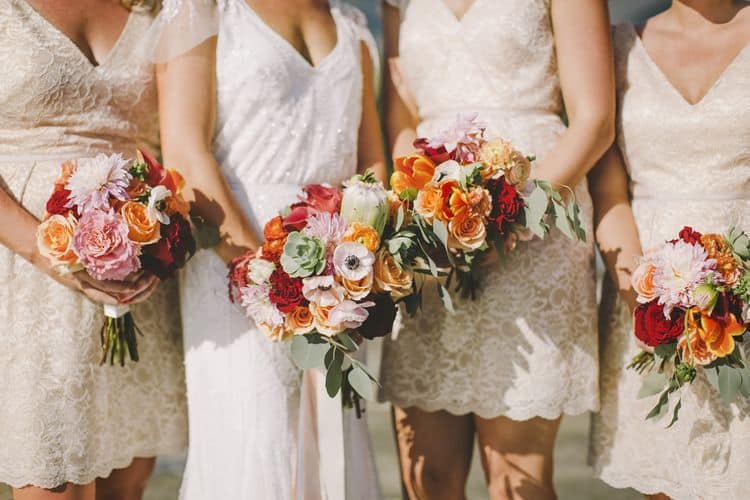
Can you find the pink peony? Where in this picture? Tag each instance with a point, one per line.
(101, 242)
(349, 314)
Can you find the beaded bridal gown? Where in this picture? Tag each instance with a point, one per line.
(64, 418)
(527, 346)
(688, 165)
(281, 123)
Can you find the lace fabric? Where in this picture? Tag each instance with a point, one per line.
(679, 156)
(527, 346)
(64, 418)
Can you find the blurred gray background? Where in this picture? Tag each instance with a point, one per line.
(573, 477)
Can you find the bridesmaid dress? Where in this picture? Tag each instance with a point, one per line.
(255, 430)
(527, 346)
(689, 164)
(64, 418)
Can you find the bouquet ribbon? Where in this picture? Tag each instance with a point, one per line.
(115, 311)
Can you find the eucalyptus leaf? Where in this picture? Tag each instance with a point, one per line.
(400, 217)
(675, 413)
(345, 340)
(745, 385)
(712, 375)
(536, 207)
(730, 381)
(446, 297)
(661, 408)
(334, 375)
(561, 220)
(308, 355)
(653, 384)
(441, 231)
(362, 383)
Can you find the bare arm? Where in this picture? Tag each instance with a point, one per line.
(615, 229)
(400, 114)
(370, 136)
(187, 106)
(586, 69)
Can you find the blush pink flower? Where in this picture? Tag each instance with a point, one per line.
(102, 244)
(98, 179)
(349, 314)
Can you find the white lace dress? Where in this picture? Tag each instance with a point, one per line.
(64, 418)
(527, 346)
(689, 165)
(281, 123)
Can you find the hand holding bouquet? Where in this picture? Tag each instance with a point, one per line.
(113, 218)
(325, 279)
(694, 294)
(465, 195)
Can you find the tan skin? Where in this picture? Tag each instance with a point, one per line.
(517, 457)
(188, 115)
(692, 43)
(94, 26)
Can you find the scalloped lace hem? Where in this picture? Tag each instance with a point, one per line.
(549, 411)
(103, 471)
(643, 485)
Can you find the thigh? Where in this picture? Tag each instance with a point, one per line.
(128, 483)
(65, 492)
(518, 456)
(435, 451)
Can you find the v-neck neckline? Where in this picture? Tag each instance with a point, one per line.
(93, 65)
(669, 82)
(459, 20)
(286, 45)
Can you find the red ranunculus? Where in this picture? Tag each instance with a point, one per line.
(689, 236)
(653, 329)
(168, 254)
(237, 275)
(507, 205)
(286, 292)
(297, 218)
(156, 174)
(58, 200)
(437, 155)
(323, 198)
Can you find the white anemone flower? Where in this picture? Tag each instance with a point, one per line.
(157, 195)
(353, 261)
(322, 291)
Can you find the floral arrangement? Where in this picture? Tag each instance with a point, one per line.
(113, 218)
(464, 195)
(694, 294)
(325, 279)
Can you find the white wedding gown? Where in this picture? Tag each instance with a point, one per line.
(281, 123)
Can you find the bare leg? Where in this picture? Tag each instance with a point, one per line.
(128, 483)
(518, 457)
(434, 452)
(67, 491)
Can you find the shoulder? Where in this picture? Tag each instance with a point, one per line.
(351, 13)
(399, 4)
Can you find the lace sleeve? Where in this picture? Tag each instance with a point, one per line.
(180, 26)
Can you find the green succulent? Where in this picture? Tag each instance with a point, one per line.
(303, 256)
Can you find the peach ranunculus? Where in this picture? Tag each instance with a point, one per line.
(411, 173)
(321, 321)
(717, 333)
(275, 333)
(719, 250)
(275, 238)
(466, 204)
(54, 239)
(362, 234)
(274, 229)
(469, 233)
(389, 277)
(358, 289)
(429, 202)
(501, 158)
(643, 282)
(697, 352)
(300, 321)
(141, 228)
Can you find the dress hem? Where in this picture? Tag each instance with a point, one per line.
(644, 486)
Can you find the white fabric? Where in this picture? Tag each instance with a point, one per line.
(281, 123)
(527, 346)
(180, 26)
(64, 418)
(682, 155)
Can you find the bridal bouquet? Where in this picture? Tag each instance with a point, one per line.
(112, 218)
(465, 194)
(694, 294)
(325, 279)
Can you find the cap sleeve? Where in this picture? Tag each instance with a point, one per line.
(358, 20)
(180, 26)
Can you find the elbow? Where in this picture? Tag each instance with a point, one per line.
(599, 126)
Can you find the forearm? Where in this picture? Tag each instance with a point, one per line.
(18, 228)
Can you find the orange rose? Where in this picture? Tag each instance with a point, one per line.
(54, 239)
(411, 172)
(389, 277)
(469, 233)
(429, 202)
(300, 321)
(643, 282)
(364, 235)
(274, 229)
(141, 229)
(717, 333)
(275, 333)
(358, 289)
(718, 249)
(697, 352)
(320, 318)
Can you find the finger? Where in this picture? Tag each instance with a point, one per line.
(98, 296)
(144, 284)
(134, 277)
(143, 296)
(107, 286)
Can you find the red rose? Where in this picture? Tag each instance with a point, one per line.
(689, 236)
(58, 201)
(286, 292)
(507, 205)
(168, 254)
(323, 198)
(297, 218)
(437, 155)
(652, 328)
